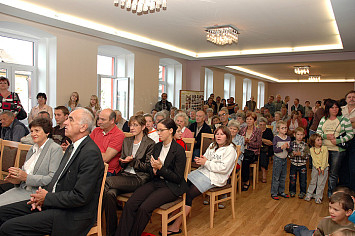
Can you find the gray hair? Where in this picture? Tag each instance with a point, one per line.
(159, 113)
(241, 115)
(279, 113)
(225, 109)
(234, 123)
(262, 119)
(8, 113)
(183, 115)
(118, 112)
(209, 109)
(86, 119)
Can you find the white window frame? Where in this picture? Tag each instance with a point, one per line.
(246, 91)
(208, 83)
(173, 80)
(261, 94)
(229, 85)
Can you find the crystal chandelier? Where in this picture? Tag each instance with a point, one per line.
(141, 6)
(314, 78)
(221, 35)
(302, 70)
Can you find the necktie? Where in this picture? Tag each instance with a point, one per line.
(64, 161)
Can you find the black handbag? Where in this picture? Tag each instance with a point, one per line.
(249, 156)
(344, 145)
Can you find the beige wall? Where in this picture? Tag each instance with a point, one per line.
(310, 91)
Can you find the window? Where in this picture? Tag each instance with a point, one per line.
(246, 91)
(261, 94)
(170, 79)
(229, 85)
(115, 78)
(208, 82)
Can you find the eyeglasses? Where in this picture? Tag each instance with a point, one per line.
(224, 114)
(161, 130)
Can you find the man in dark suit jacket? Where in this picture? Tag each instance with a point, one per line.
(68, 205)
(198, 128)
(251, 104)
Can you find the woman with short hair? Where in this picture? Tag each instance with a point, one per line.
(181, 119)
(42, 106)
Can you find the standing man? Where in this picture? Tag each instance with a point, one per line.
(12, 129)
(231, 105)
(164, 104)
(297, 106)
(68, 205)
(198, 128)
(270, 105)
(218, 106)
(286, 100)
(109, 139)
(278, 103)
(251, 104)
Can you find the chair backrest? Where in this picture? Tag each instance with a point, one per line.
(269, 126)
(233, 176)
(190, 143)
(8, 155)
(206, 140)
(99, 206)
(188, 163)
(127, 134)
(21, 154)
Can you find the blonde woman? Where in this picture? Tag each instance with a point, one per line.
(73, 101)
(94, 104)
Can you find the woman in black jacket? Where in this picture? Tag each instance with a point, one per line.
(167, 169)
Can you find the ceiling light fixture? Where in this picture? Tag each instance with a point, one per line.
(301, 70)
(222, 35)
(141, 6)
(314, 78)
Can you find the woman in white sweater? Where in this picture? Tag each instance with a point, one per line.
(216, 166)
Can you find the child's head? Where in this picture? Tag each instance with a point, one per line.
(344, 189)
(299, 133)
(341, 206)
(344, 232)
(281, 127)
(315, 140)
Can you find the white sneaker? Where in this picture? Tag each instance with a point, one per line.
(307, 198)
(206, 201)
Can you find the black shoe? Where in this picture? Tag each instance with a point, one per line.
(246, 187)
(290, 227)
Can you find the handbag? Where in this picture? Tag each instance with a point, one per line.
(249, 156)
(343, 145)
(22, 114)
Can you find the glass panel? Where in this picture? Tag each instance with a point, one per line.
(105, 65)
(3, 72)
(16, 51)
(106, 93)
(161, 73)
(161, 90)
(121, 90)
(23, 88)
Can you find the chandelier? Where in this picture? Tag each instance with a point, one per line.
(141, 6)
(221, 35)
(314, 78)
(302, 70)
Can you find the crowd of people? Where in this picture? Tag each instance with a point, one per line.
(61, 178)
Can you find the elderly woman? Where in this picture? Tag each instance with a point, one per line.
(42, 106)
(11, 99)
(182, 120)
(160, 116)
(266, 147)
(241, 119)
(42, 161)
(334, 129)
(237, 139)
(252, 139)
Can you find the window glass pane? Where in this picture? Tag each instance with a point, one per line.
(16, 51)
(3, 72)
(121, 90)
(105, 65)
(162, 73)
(23, 88)
(106, 93)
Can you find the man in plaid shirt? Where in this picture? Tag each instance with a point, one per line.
(298, 156)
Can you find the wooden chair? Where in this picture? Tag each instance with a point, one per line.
(238, 180)
(127, 134)
(8, 156)
(190, 143)
(230, 189)
(206, 140)
(270, 127)
(255, 167)
(170, 207)
(21, 154)
(96, 229)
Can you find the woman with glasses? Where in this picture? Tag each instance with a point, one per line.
(42, 106)
(167, 171)
(135, 163)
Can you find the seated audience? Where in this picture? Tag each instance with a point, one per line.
(237, 139)
(109, 139)
(121, 123)
(61, 114)
(277, 119)
(153, 112)
(94, 104)
(167, 169)
(163, 104)
(182, 120)
(135, 162)
(42, 106)
(73, 192)
(216, 165)
(210, 103)
(223, 116)
(28, 138)
(42, 161)
(341, 206)
(215, 122)
(178, 137)
(266, 147)
(241, 119)
(11, 128)
(192, 116)
(252, 139)
(160, 116)
(209, 112)
(152, 132)
(172, 112)
(198, 128)
(73, 101)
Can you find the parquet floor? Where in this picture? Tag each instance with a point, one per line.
(256, 214)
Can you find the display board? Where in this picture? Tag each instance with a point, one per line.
(191, 100)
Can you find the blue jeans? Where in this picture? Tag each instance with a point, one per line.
(279, 172)
(302, 231)
(335, 161)
(302, 170)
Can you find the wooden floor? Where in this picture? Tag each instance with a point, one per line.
(256, 214)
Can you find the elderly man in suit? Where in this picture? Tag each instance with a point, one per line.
(68, 204)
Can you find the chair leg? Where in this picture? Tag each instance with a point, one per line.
(164, 224)
(212, 205)
(232, 202)
(257, 172)
(240, 185)
(254, 177)
(184, 220)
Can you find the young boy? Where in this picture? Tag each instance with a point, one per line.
(281, 144)
(341, 206)
(298, 157)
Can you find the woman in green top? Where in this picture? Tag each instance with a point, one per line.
(335, 129)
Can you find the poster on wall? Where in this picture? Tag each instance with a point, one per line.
(191, 100)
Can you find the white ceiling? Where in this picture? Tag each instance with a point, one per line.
(262, 24)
